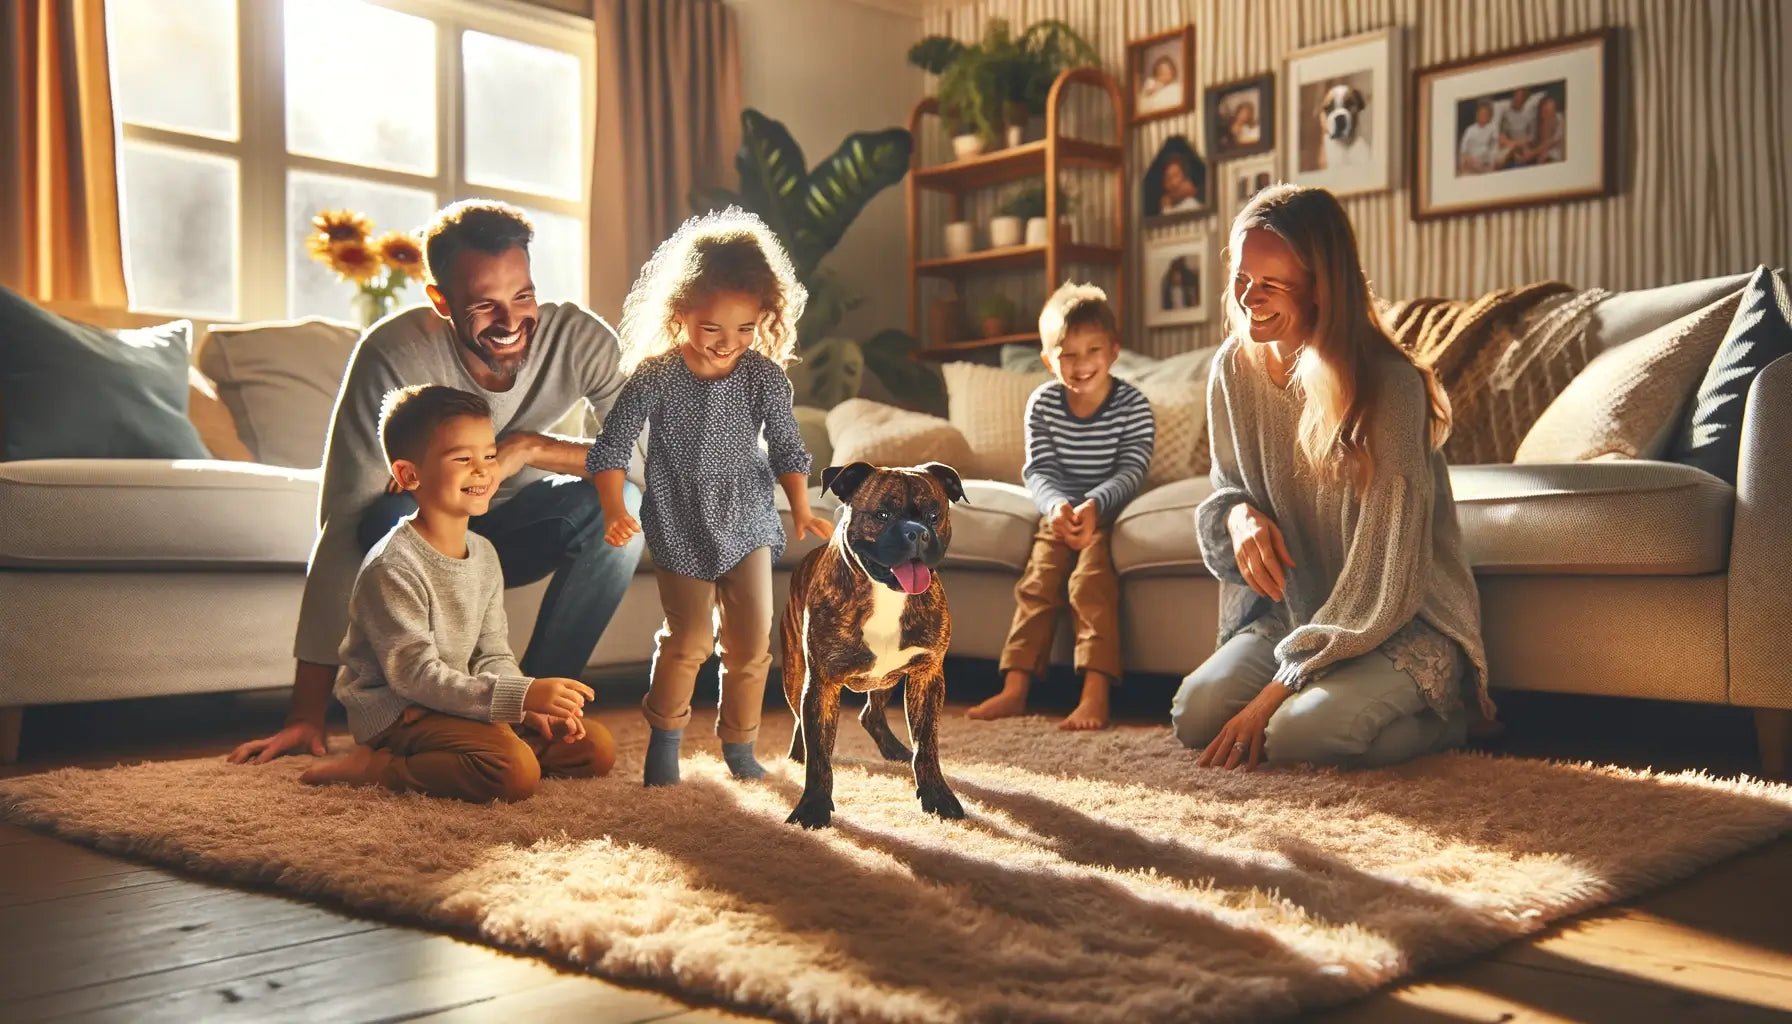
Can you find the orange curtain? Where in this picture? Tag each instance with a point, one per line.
(59, 238)
(668, 119)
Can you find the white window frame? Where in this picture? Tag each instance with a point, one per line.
(263, 245)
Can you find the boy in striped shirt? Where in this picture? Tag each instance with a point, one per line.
(1089, 441)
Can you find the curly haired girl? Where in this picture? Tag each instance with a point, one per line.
(706, 333)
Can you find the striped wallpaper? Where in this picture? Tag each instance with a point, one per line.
(1705, 129)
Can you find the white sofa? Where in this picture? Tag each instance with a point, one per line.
(1643, 579)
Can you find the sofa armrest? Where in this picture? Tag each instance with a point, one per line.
(1760, 587)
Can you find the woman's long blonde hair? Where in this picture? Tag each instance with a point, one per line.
(1337, 370)
(718, 252)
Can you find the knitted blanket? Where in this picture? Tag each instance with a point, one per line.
(1502, 358)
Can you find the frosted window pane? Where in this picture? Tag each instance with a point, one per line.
(557, 257)
(180, 230)
(360, 84)
(174, 65)
(311, 289)
(524, 128)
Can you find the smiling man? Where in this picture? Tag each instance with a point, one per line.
(483, 332)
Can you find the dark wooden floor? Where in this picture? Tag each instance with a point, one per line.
(88, 937)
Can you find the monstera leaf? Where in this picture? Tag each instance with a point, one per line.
(830, 371)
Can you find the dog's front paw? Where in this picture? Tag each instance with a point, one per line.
(812, 812)
(937, 799)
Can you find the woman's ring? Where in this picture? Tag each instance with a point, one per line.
(1238, 748)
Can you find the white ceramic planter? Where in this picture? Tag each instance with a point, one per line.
(1035, 230)
(966, 146)
(1004, 232)
(959, 238)
(1013, 134)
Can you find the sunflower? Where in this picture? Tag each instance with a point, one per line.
(402, 253)
(333, 227)
(354, 260)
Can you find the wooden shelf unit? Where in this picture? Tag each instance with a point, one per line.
(1042, 158)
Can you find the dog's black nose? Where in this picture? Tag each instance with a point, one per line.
(913, 533)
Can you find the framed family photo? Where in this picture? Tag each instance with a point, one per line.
(1518, 128)
(1160, 74)
(1174, 186)
(1241, 117)
(1244, 179)
(1340, 113)
(1175, 281)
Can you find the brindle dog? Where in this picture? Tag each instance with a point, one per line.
(868, 612)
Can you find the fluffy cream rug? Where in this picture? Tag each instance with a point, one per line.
(1097, 878)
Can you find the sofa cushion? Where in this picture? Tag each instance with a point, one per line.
(1620, 517)
(861, 430)
(152, 513)
(210, 416)
(74, 391)
(1627, 402)
(993, 526)
(1627, 316)
(1156, 533)
(1710, 434)
(279, 381)
(988, 405)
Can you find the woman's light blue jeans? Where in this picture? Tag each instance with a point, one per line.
(1364, 713)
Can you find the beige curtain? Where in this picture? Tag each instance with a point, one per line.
(668, 119)
(59, 238)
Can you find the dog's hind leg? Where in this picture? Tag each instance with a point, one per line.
(878, 725)
(791, 631)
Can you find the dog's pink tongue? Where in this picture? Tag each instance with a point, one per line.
(913, 577)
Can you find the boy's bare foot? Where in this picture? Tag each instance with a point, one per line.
(1092, 711)
(1010, 702)
(358, 767)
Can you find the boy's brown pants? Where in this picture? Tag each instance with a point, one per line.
(1087, 577)
(445, 755)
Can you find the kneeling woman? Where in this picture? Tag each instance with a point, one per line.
(1350, 628)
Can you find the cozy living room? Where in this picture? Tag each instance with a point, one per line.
(1301, 472)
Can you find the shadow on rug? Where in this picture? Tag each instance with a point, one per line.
(1098, 877)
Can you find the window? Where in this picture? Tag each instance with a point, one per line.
(241, 119)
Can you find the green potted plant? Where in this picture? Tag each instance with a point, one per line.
(1028, 204)
(994, 314)
(988, 89)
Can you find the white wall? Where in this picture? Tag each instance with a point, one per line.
(827, 68)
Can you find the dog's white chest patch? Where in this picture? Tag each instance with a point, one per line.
(883, 633)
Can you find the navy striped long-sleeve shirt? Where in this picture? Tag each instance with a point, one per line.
(1101, 457)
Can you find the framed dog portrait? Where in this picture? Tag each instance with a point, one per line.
(1175, 281)
(1241, 117)
(1160, 74)
(1340, 113)
(1174, 186)
(1519, 128)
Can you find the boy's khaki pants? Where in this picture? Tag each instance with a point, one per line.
(448, 756)
(743, 597)
(1054, 572)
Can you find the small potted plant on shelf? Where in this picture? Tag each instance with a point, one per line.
(988, 89)
(994, 314)
(1028, 204)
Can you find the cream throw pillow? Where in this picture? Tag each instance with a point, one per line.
(217, 430)
(1180, 449)
(1626, 403)
(865, 431)
(279, 381)
(988, 405)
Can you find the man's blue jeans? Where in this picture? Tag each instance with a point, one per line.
(554, 525)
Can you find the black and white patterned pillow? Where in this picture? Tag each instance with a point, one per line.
(1710, 435)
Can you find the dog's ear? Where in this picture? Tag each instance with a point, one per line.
(1357, 100)
(843, 480)
(948, 478)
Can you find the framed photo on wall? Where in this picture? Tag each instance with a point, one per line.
(1244, 179)
(1175, 281)
(1517, 128)
(1340, 113)
(1160, 74)
(1241, 117)
(1175, 185)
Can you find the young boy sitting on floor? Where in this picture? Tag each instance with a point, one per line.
(1089, 442)
(427, 674)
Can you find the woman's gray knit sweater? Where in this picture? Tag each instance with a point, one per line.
(1382, 568)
